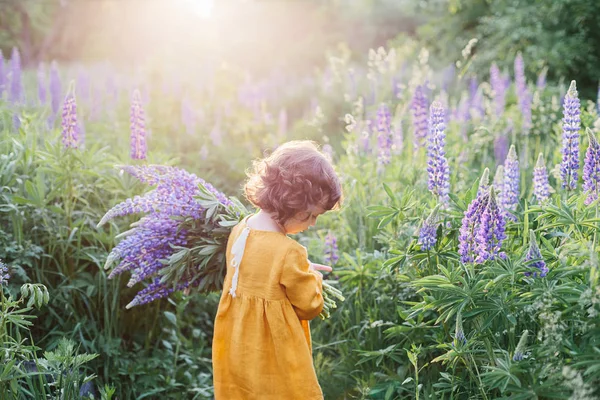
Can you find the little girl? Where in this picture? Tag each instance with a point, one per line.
(262, 345)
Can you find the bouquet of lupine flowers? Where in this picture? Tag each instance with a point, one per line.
(181, 240)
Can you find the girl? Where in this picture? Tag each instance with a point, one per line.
(262, 345)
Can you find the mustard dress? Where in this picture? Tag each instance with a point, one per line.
(262, 347)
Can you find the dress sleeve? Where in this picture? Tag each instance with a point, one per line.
(303, 286)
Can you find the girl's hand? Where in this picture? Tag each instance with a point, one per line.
(319, 267)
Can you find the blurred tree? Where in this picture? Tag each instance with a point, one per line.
(561, 34)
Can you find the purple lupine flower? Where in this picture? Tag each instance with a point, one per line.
(520, 350)
(145, 247)
(41, 77)
(484, 182)
(591, 169)
(16, 121)
(70, 128)
(459, 334)
(501, 148)
(491, 232)
(473, 87)
(541, 80)
(331, 249)
(522, 92)
(510, 188)
(437, 164)
(569, 167)
(138, 128)
(469, 227)
(156, 290)
(187, 116)
(15, 94)
(173, 195)
(534, 254)
(499, 179)
(541, 187)
(428, 231)
(499, 89)
(419, 107)
(4, 276)
(384, 136)
(55, 92)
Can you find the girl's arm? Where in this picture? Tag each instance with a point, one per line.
(303, 286)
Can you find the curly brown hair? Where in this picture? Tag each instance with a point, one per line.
(293, 178)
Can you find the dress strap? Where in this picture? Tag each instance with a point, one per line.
(237, 251)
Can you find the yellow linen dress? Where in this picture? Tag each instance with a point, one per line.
(262, 346)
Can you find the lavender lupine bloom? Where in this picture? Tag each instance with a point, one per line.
(499, 89)
(15, 94)
(4, 276)
(384, 137)
(55, 92)
(70, 128)
(510, 188)
(520, 350)
(484, 182)
(428, 231)
(41, 77)
(541, 80)
(597, 97)
(534, 254)
(491, 232)
(501, 148)
(522, 92)
(331, 249)
(473, 87)
(470, 226)
(541, 187)
(419, 107)
(156, 290)
(138, 128)
(499, 179)
(591, 169)
(437, 164)
(569, 167)
(150, 241)
(459, 333)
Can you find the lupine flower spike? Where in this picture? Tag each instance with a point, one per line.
(520, 350)
(331, 249)
(499, 89)
(138, 128)
(4, 276)
(541, 187)
(419, 108)
(510, 188)
(499, 179)
(437, 164)
(534, 254)
(384, 138)
(459, 333)
(569, 167)
(484, 182)
(70, 128)
(16, 83)
(491, 232)
(591, 169)
(523, 93)
(427, 234)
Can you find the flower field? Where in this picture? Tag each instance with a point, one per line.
(466, 248)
